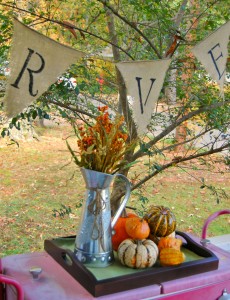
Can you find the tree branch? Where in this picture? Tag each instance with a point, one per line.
(177, 22)
(171, 127)
(68, 106)
(115, 12)
(179, 160)
(200, 15)
(174, 163)
(190, 27)
(70, 26)
(194, 138)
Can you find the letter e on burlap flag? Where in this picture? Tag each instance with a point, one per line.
(35, 63)
(144, 81)
(213, 53)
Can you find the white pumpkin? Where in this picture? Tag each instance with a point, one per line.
(138, 254)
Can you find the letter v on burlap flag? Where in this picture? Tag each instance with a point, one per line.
(144, 81)
(36, 62)
(213, 53)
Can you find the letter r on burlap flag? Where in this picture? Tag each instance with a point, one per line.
(36, 62)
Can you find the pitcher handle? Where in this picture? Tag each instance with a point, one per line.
(126, 198)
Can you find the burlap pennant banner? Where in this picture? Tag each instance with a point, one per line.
(36, 62)
(213, 53)
(144, 81)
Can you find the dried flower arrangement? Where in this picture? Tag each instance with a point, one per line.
(101, 147)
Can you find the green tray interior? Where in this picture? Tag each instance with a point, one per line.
(117, 269)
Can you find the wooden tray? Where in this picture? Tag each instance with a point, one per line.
(117, 278)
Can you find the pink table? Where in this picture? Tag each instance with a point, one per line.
(55, 283)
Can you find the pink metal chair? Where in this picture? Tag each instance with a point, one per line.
(209, 220)
(8, 280)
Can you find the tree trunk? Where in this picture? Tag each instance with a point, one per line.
(181, 131)
(123, 108)
(170, 91)
(123, 103)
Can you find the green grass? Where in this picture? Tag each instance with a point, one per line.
(37, 178)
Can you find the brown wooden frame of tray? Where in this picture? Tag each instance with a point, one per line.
(149, 276)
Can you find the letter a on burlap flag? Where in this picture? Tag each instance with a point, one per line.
(213, 53)
(36, 61)
(144, 81)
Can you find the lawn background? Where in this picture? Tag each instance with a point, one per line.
(38, 177)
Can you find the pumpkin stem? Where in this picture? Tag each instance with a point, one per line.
(138, 242)
(124, 213)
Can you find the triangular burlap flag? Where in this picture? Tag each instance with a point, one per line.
(35, 63)
(213, 53)
(144, 81)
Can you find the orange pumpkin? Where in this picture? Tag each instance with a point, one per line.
(169, 242)
(137, 228)
(119, 232)
(171, 257)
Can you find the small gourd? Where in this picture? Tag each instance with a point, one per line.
(161, 220)
(171, 257)
(138, 254)
(169, 242)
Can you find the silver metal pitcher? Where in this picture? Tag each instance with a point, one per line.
(93, 244)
